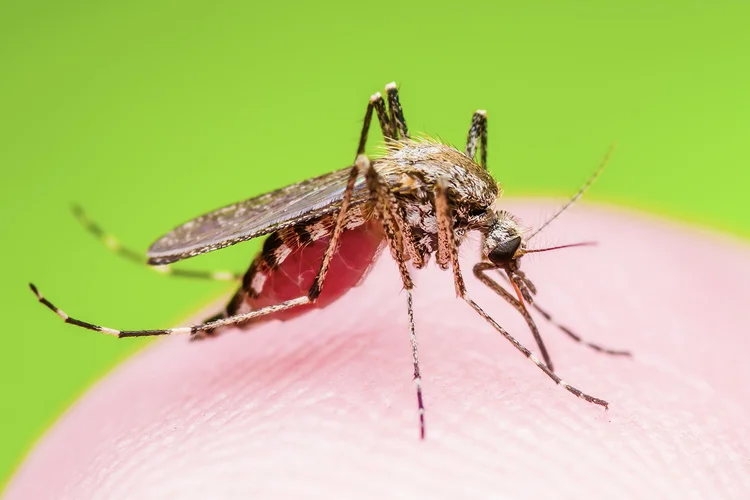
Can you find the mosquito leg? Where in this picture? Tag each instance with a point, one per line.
(478, 133)
(114, 245)
(210, 325)
(408, 243)
(396, 239)
(445, 227)
(362, 164)
(378, 105)
(528, 354)
(391, 225)
(387, 125)
(398, 122)
(233, 308)
(391, 124)
(569, 333)
(479, 272)
(417, 376)
(397, 125)
(447, 252)
(315, 289)
(548, 317)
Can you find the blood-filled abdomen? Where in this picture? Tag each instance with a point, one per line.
(293, 276)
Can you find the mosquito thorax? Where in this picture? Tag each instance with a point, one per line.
(419, 163)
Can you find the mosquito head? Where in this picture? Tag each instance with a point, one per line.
(503, 242)
(504, 245)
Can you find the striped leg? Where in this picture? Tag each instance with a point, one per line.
(233, 320)
(233, 308)
(392, 121)
(577, 338)
(479, 272)
(543, 312)
(114, 245)
(478, 133)
(398, 122)
(445, 227)
(362, 163)
(528, 354)
(397, 241)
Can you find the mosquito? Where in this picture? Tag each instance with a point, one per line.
(420, 198)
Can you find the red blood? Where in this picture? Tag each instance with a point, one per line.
(293, 278)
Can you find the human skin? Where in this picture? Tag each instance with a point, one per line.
(323, 405)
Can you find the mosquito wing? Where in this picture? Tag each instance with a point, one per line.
(255, 217)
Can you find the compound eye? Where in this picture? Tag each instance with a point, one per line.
(503, 253)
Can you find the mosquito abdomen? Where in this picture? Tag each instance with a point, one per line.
(293, 275)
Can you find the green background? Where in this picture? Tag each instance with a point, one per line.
(150, 113)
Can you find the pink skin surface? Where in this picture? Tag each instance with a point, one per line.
(323, 405)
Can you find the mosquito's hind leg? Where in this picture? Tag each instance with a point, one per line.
(361, 164)
(115, 246)
(398, 121)
(251, 287)
(478, 133)
(235, 306)
(192, 330)
(392, 121)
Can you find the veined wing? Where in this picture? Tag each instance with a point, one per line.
(255, 217)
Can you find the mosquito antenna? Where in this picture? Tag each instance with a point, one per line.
(580, 192)
(558, 247)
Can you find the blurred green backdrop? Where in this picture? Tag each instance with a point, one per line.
(149, 113)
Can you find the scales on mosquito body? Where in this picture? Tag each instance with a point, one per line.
(420, 199)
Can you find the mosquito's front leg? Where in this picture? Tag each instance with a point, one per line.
(479, 272)
(486, 279)
(577, 338)
(528, 354)
(448, 255)
(445, 228)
